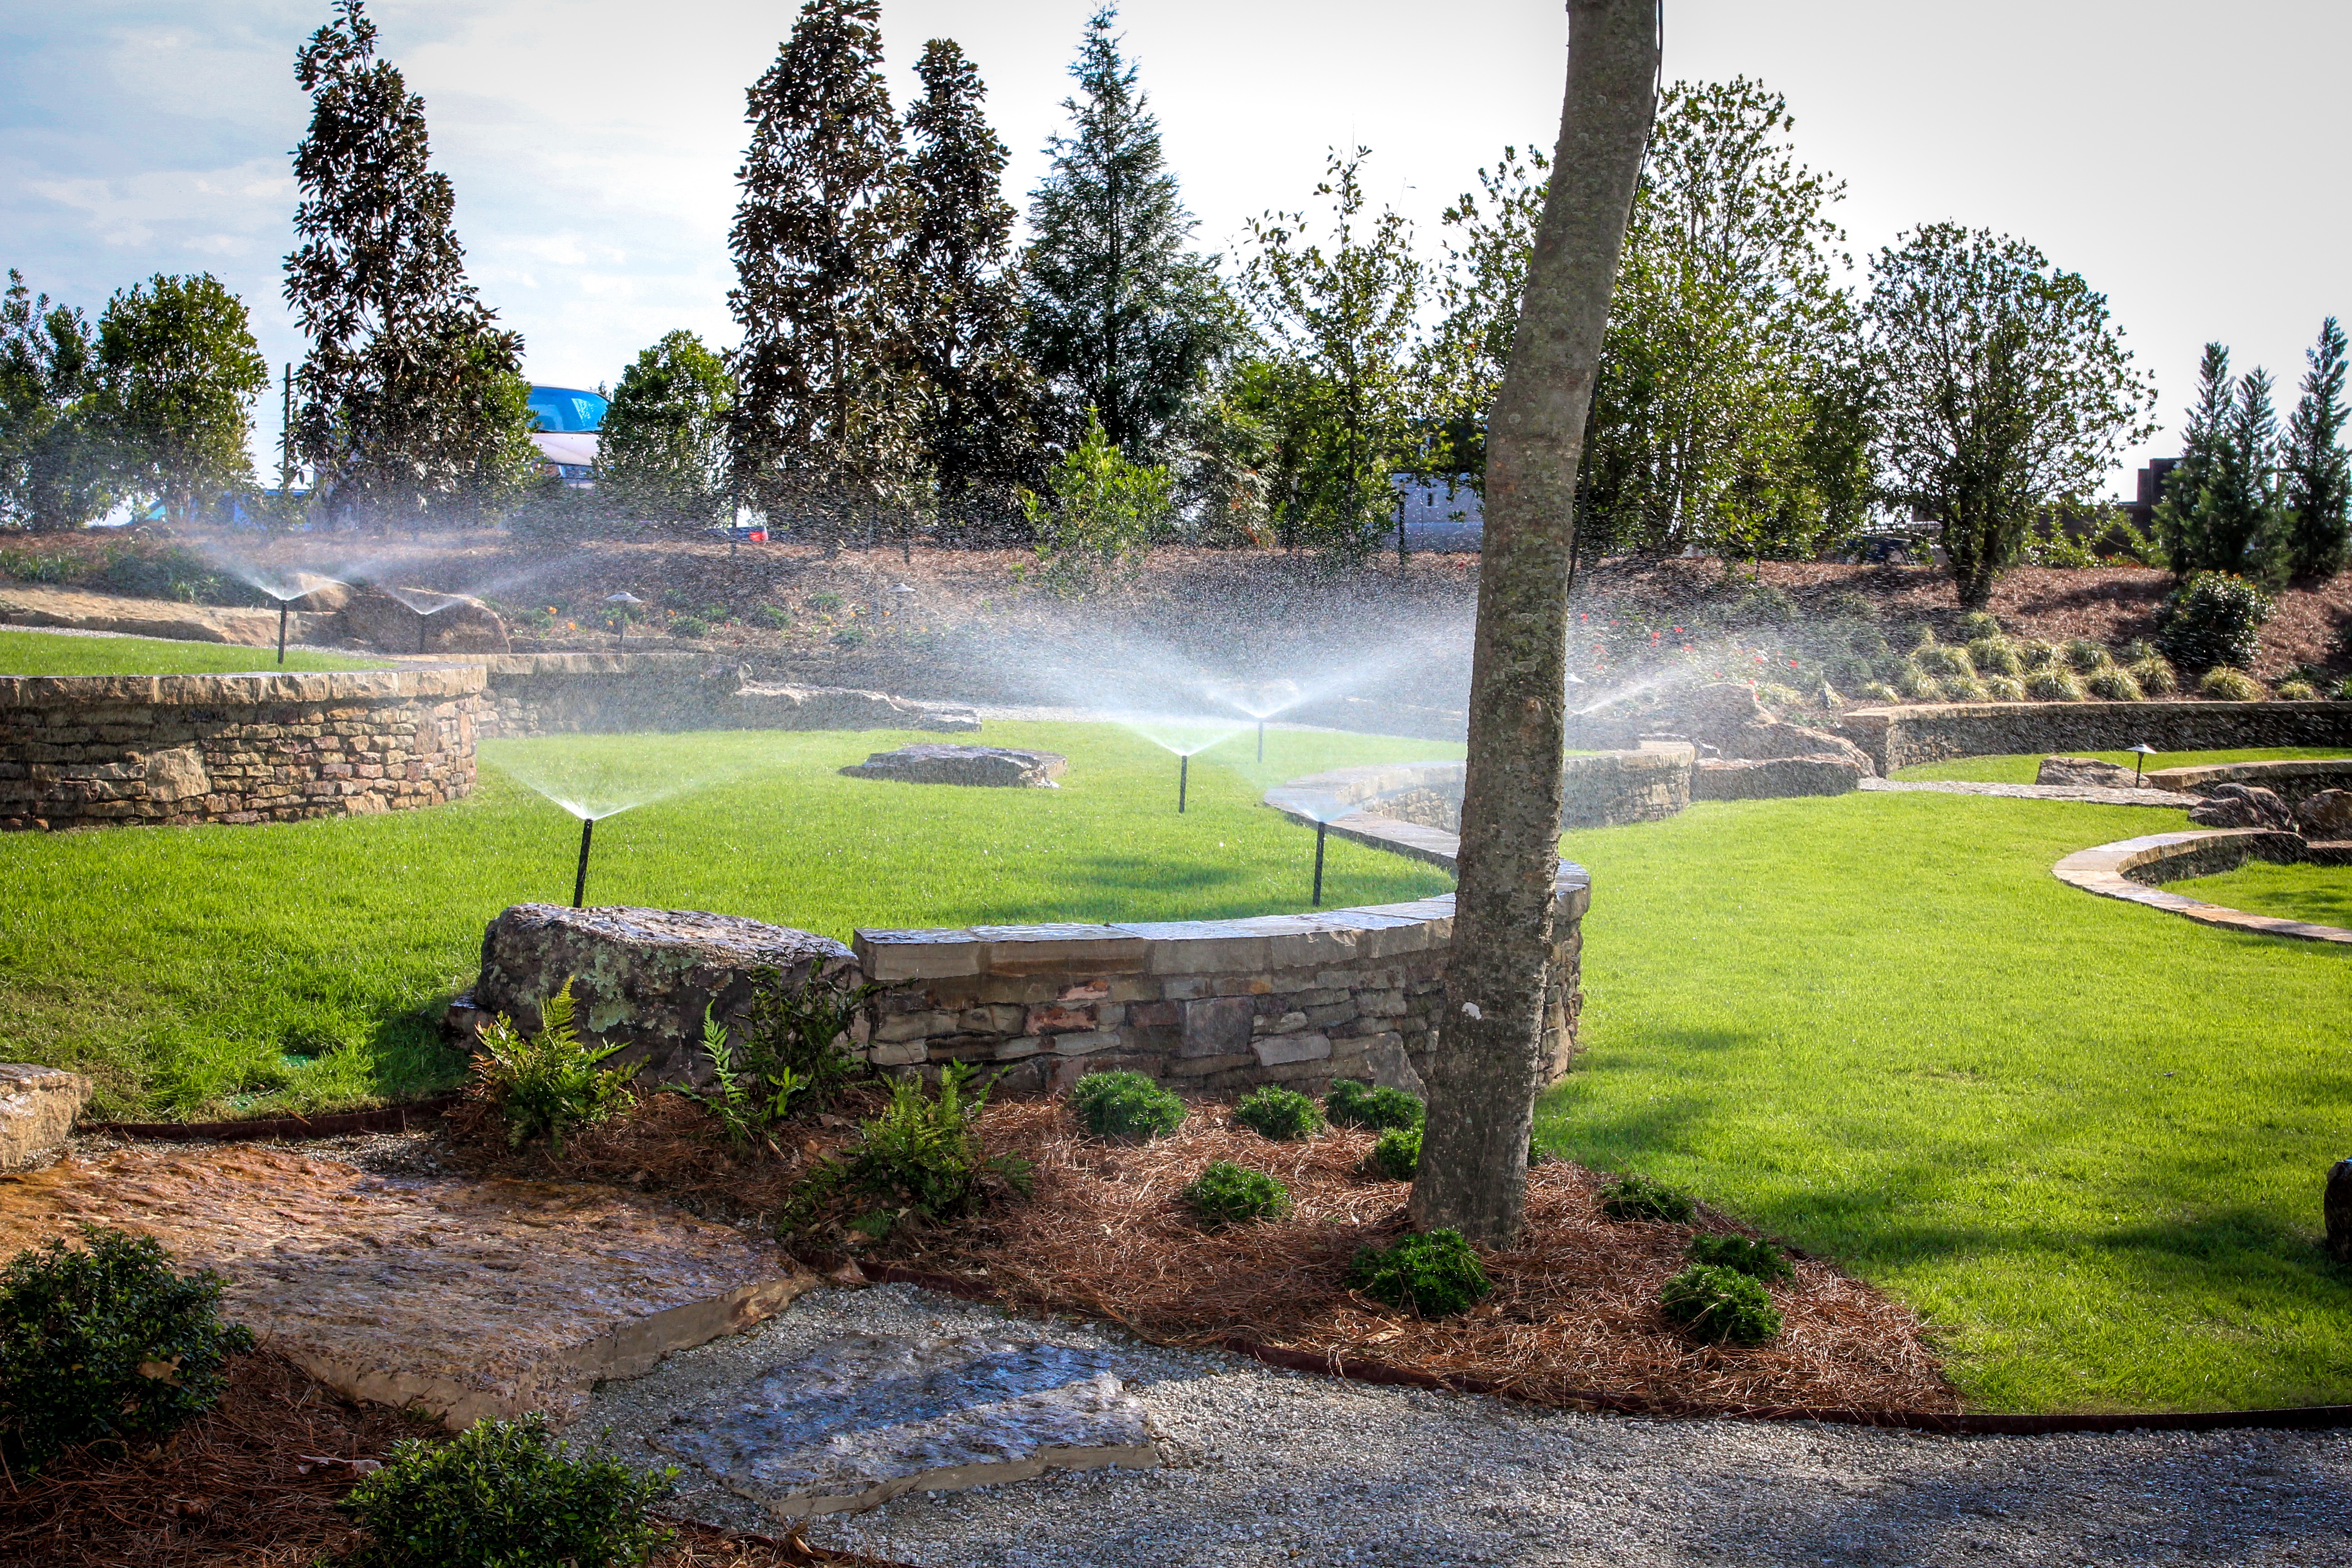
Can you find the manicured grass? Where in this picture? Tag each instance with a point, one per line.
(2320, 894)
(203, 970)
(2020, 770)
(2087, 1140)
(46, 653)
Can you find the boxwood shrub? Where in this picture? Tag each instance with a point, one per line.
(105, 1341)
(1273, 1111)
(1226, 1193)
(2214, 619)
(1757, 1259)
(1397, 1156)
(1719, 1306)
(503, 1494)
(1637, 1196)
(1433, 1273)
(1354, 1104)
(1125, 1105)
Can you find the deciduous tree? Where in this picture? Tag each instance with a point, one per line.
(1488, 1069)
(825, 423)
(2004, 391)
(179, 370)
(411, 396)
(662, 452)
(51, 475)
(1122, 317)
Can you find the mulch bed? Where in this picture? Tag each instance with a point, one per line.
(1574, 1314)
(253, 1482)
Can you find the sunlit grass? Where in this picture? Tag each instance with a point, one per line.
(46, 653)
(2320, 895)
(2021, 769)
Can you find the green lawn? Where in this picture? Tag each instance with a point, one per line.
(300, 966)
(46, 653)
(2320, 894)
(2086, 1138)
(2020, 770)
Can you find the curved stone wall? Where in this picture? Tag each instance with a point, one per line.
(99, 750)
(2134, 868)
(1598, 789)
(1940, 732)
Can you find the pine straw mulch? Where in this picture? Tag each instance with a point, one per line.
(1573, 1318)
(253, 1483)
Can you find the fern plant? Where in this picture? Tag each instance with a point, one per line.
(552, 1082)
(794, 1032)
(747, 1102)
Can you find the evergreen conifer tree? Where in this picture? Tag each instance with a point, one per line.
(963, 304)
(411, 396)
(1122, 317)
(2181, 509)
(824, 422)
(2316, 478)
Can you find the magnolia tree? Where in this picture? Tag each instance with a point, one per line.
(2003, 393)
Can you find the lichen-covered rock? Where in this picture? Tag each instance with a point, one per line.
(1774, 778)
(375, 619)
(2242, 805)
(37, 1107)
(2084, 772)
(2326, 815)
(1005, 767)
(786, 707)
(641, 978)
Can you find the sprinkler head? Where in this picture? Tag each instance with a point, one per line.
(1321, 828)
(580, 881)
(1183, 777)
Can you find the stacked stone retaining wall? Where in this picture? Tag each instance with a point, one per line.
(1934, 732)
(1598, 789)
(573, 694)
(88, 750)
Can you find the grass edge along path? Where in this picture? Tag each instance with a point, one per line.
(2086, 1138)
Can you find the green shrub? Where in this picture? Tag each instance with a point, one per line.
(175, 572)
(675, 599)
(688, 626)
(849, 637)
(2154, 675)
(1979, 624)
(2033, 653)
(1762, 604)
(2114, 685)
(2214, 619)
(2294, 691)
(824, 604)
(505, 1494)
(549, 1083)
(1273, 1112)
(1918, 635)
(2343, 692)
(2083, 656)
(1995, 656)
(1941, 659)
(1354, 1104)
(1848, 605)
(104, 1341)
(769, 617)
(1637, 1196)
(1719, 1306)
(1434, 1274)
(1227, 1193)
(1917, 685)
(1879, 691)
(2055, 683)
(1757, 1259)
(1397, 1156)
(921, 1156)
(2004, 689)
(2223, 684)
(716, 615)
(1125, 1105)
(1966, 688)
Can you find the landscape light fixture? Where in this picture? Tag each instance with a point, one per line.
(579, 882)
(2140, 754)
(620, 600)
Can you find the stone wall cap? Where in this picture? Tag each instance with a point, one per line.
(739, 939)
(394, 684)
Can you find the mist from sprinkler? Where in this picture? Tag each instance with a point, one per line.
(598, 776)
(1322, 809)
(1186, 738)
(283, 586)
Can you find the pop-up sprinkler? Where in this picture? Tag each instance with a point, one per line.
(283, 605)
(1320, 828)
(1183, 775)
(579, 882)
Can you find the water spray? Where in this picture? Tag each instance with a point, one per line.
(579, 882)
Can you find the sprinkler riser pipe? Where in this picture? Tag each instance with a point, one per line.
(579, 882)
(1316, 901)
(283, 605)
(1183, 777)
(1261, 739)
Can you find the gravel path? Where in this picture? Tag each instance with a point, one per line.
(2159, 797)
(1268, 1467)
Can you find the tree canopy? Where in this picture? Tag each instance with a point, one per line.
(179, 370)
(51, 477)
(662, 453)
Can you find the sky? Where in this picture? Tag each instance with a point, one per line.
(2181, 157)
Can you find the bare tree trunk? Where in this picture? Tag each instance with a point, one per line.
(1474, 1158)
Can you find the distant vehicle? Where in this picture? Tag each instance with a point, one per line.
(566, 437)
(738, 532)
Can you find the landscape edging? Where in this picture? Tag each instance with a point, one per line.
(2107, 869)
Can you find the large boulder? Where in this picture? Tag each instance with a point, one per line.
(1004, 767)
(1726, 717)
(37, 1107)
(449, 623)
(2326, 815)
(2242, 805)
(1774, 778)
(2084, 772)
(640, 978)
(787, 707)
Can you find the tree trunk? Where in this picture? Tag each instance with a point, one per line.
(1473, 1176)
